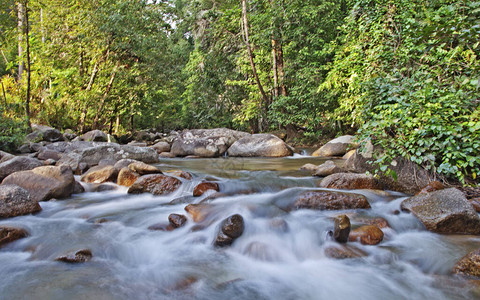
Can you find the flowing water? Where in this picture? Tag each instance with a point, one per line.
(281, 255)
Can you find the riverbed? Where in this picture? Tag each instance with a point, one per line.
(281, 254)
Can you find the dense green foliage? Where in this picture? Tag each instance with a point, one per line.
(403, 74)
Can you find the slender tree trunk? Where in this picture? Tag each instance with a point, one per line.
(105, 95)
(250, 52)
(20, 27)
(4, 99)
(27, 39)
(274, 67)
(83, 116)
(281, 73)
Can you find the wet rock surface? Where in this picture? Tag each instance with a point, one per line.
(10, 234)
(156, 184)
(201, 188)
(79, 256)
(367, 235)
(231, 229)
(341, 228)
(327, 200)
(127, 177)
(100, 174)
(350, 181)
(469, 265)
(177, 220)
(444, 211)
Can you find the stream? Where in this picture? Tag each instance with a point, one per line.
(281, 255)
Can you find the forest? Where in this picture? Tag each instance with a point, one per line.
(404, 75)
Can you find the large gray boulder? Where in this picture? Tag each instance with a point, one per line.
(444, 211)
(260, 145)
(44, 133)
(93, 155)
(19, 163)
(336, 147)
(45, 183)
(205, 142)
(16, 201)
(410, 178)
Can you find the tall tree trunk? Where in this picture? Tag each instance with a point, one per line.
(280, 66)
(27, 39)
(274, 67)
(105, 95)
(20, 27)
(250, 52)
(83, 116)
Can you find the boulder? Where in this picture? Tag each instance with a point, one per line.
(260, 145)
(143, 168)
(336, 147)
(93, 155)
(198, 212)
(16, 201)
(201, 188)
(328, 200)
(124, 163)
(410, 178)
(326, 169)
(79, 256)
(4, 156)
(350, 181)
(10, 234)
(45, 154)
(161, 147)
(310, 168)
(45, 183)
(166, 155)
(19, 163)
(377, 221)
(127, 177)
(94, 136)
(367, 235)
(69, 134)
(341, 228)
(469, 265)
(230, 229)
(205, 142)
(100, 174)
(157, 184)
(432, 187)
(181, 174)
(44, 133)
(444, 211)
(177, 220)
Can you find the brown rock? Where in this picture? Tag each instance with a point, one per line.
(367, 235)
(78, 189)
(143, 168)
(327, 168)
(444, 211)
(476, 204)
(181, 174)
(127, 177)
(341, 228)
(10, 234)
(80, 256)
(161, 227)
(311, 168)
(46, 182)
(124, 163)
(469, 265)
(161, 147)
(49, 154)
(432, 187)
(166, 155)
(377, 221)
(343, 252)
(177, 220)
(327, 200)
(100, 174)
(16, 201)
(231, 228)
(198, 212)
(350, 181)
(157, 184)
(201, 188)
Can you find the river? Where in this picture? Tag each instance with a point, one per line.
(281, 255)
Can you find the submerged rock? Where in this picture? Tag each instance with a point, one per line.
(44, 183)
(350, 181)
(80, 256)
(16, 201)
(198, 212)
(177, 220)
(341, 228)
(231, 228)
(201, 188)
(343, 252)
(444, 211)
(10, 234)
(260, 145)
(469, 264)
(367, 235)
(157, 184)
(336, 147)
(327, 200)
